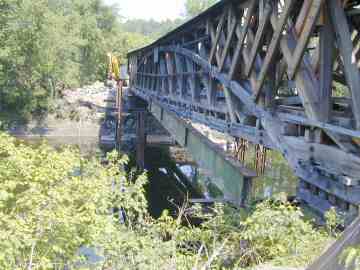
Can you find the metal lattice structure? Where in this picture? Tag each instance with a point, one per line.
(280, 73)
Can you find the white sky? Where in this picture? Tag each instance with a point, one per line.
(147, 9)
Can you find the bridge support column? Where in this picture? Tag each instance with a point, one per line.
(246, 193)
(141, 139)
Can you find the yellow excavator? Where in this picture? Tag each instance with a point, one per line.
(113, 68)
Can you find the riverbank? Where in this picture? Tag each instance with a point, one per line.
(75, 118)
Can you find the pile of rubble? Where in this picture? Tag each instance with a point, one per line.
(88, 103)
(96, 94)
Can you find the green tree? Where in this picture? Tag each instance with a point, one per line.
(48, 44)
(54, 202)
(194, 7)
(151, 28)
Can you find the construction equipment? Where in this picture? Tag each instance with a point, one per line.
(113, 67)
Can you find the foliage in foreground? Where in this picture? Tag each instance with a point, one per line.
(350, 258)
(273, 232)
(52, 203)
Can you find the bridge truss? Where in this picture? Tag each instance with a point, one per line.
(280, 73)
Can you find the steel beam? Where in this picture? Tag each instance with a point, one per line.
(225, 172)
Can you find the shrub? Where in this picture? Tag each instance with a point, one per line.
(53, 203)
(274, 232)
(277, 232)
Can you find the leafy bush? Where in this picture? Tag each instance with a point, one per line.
(350, 258)
(277, 232)
(54, 203)
(334, 221)
(274, 232)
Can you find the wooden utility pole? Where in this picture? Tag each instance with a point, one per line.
(141, 140)
(119, 95)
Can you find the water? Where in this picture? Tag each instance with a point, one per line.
(278, 178)
(175, 178)
(168, 188)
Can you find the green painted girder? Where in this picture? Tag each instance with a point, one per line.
(230, 176)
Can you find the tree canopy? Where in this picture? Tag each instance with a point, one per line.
(151, 28)
(48, 45)
(194, 7)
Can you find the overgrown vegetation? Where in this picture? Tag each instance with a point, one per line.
(350, 258)
(55, 203)
(49, 45)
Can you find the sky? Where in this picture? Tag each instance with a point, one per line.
(150, 9)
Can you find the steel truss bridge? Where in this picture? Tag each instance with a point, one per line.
(279, 73)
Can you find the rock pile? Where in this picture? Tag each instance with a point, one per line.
(88, 103)
(96, 94)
